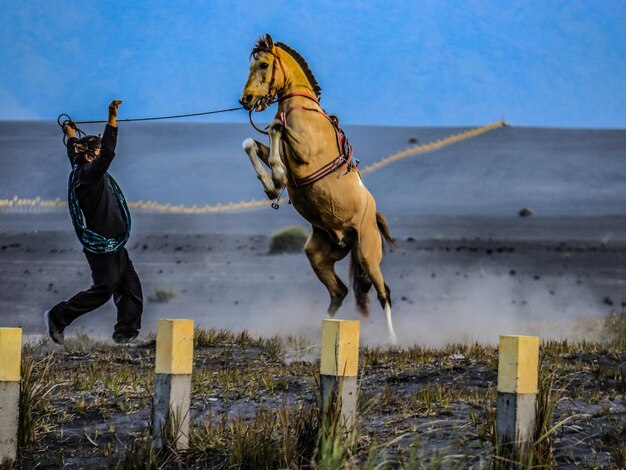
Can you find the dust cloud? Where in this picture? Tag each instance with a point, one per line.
(449, 310)
(483, 307)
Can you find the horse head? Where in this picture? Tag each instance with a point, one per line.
(265, 71)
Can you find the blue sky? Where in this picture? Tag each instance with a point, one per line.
(413, 63)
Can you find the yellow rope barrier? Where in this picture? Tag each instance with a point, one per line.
(429, 147)
(17, 204)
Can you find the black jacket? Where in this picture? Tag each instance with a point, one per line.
(96, 198)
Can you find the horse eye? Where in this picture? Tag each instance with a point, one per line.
(264, 65)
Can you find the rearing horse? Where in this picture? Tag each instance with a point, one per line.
(309, 155)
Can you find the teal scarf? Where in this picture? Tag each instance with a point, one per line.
(91, 241)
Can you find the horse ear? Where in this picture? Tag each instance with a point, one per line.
(269, 41)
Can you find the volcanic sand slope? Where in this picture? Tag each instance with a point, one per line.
(554, 171)
(169, 163)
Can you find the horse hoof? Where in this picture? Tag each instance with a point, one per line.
(249, 145)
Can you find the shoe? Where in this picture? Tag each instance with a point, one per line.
(54, 333)
(121, 338)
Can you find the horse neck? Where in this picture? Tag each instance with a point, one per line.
(295, 79)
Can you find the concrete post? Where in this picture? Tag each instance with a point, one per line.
(518, 376)
(10, 366)
(172, 390)
(339, 367)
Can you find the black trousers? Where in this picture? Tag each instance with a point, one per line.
(114, 275)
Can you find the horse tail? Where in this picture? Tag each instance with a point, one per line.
(383, 228)
(361, 284)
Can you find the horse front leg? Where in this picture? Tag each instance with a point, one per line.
(279, 171)
(323, 253)
(256, 152)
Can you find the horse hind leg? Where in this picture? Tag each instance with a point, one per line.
(361, 285)
(369, 254)
(323, 253)
(256, 152)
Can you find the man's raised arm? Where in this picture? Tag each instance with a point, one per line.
(70, 132)
(101, 163)
(113, 107)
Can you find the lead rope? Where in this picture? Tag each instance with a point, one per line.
(156, 118)
(92, 241)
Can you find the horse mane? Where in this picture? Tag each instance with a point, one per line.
(317, 89)
(265, 44)
(262, 45)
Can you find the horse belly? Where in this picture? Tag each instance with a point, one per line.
(331, 206)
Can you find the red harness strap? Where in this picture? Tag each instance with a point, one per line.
(326, 170)
(332, 166)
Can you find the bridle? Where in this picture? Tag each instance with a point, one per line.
(271, 96)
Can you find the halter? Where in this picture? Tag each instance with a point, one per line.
(271, 92)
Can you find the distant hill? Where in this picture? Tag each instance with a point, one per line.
(553, 171)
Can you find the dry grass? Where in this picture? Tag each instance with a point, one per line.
(162, 294)
(90, 403)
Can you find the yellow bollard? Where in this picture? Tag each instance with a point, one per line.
(518, 377)
(174, 362)
(339, 367)
(10, 366)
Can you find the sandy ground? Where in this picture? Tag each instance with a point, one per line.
(452, 279)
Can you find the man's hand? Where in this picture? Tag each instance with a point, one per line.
(113, 107)
(70, 129)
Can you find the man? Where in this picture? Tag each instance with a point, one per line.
(113, 273)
